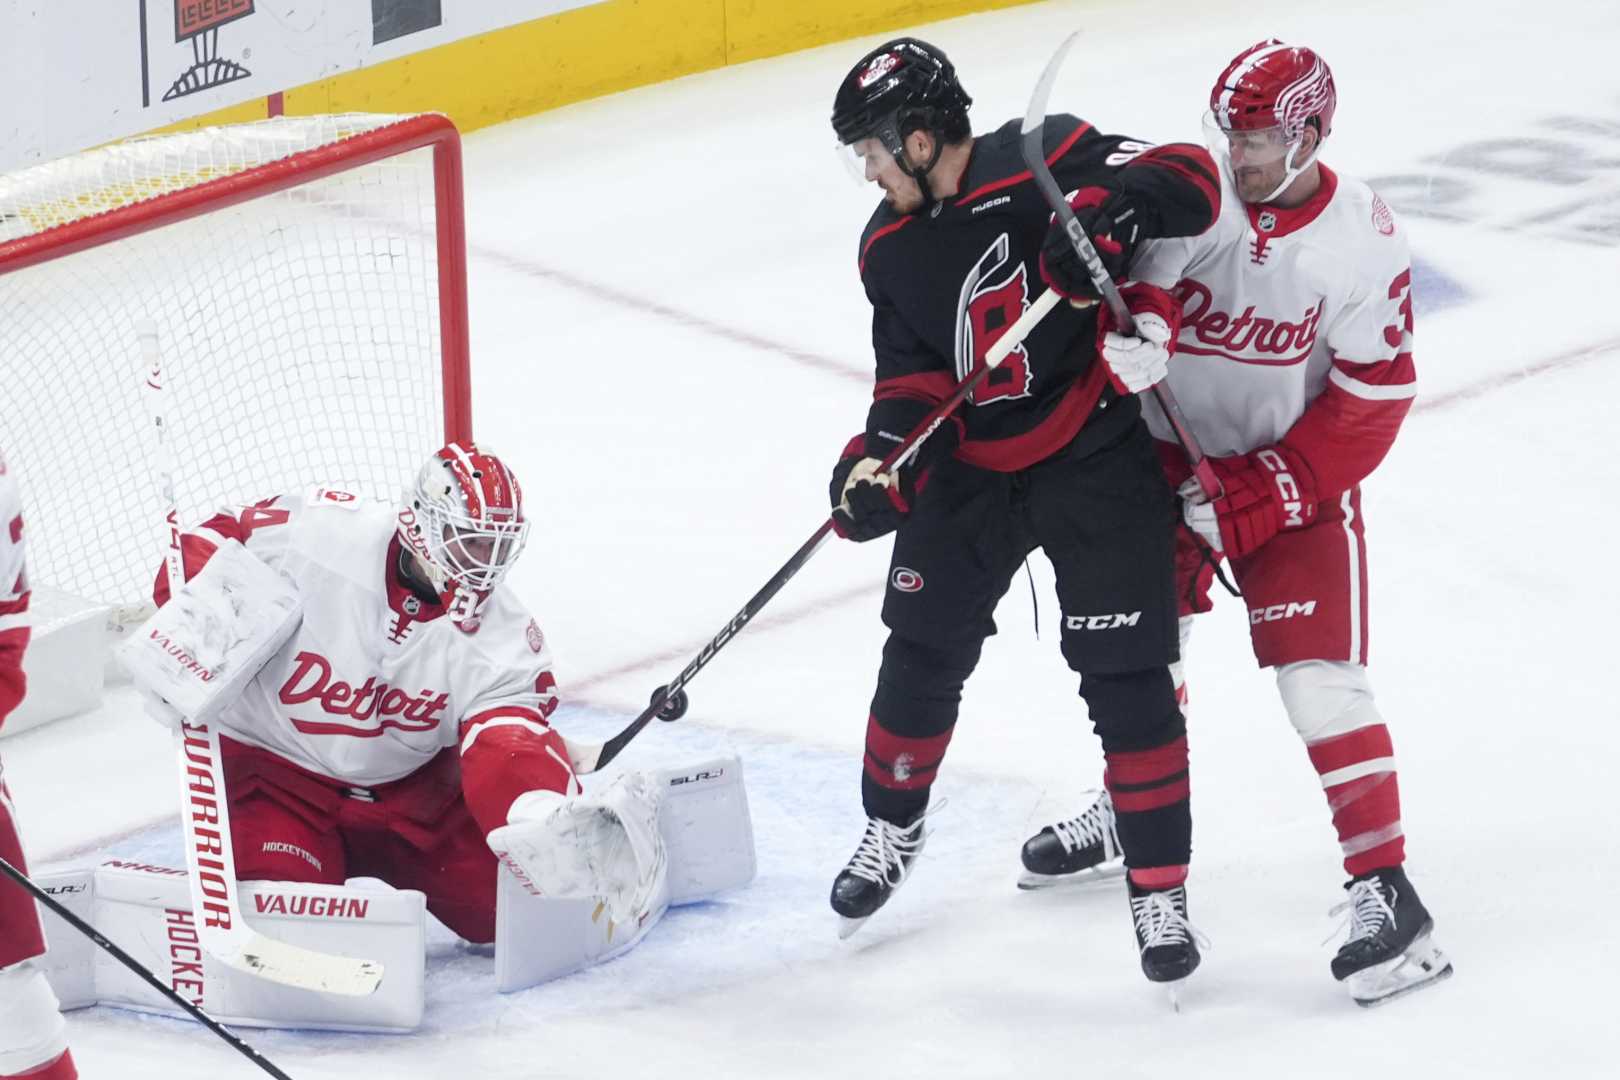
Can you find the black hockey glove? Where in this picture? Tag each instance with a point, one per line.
(865, 504)
(1112, 221)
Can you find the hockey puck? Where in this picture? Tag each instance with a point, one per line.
(674, 708)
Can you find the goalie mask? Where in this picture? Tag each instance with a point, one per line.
(463, 519)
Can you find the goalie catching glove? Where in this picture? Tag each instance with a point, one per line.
(606, 847)
(1264, 492)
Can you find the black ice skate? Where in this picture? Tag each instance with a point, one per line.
(1388, 952)
(879, 865)
(1168, 942)
(1082, 850)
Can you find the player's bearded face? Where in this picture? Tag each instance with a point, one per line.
(876, 165)
(1258, 159)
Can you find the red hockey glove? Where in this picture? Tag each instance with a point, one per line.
(1109, 218)
(1136, 361)
(1264, 492)
(867, 504)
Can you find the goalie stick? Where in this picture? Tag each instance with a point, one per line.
(1034, 149)
(589, 757)
(25, 882)
(204, 813)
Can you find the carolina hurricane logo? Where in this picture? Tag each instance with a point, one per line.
(879, 67)
(906, 580)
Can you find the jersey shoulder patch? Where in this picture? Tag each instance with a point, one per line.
(326, 495)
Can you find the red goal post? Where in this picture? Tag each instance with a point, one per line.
(307, 280)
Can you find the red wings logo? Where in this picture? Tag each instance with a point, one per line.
(537, 640)
(1382, 219)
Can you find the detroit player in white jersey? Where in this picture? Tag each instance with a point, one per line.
(402, 731)
(1290, 327)
(33, 1040)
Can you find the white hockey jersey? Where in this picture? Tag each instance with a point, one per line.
(13, 594)
(1296, 329)
(375, 682)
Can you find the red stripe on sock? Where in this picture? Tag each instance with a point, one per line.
(1136, 802)
(1147, 766)
(1159, 877)
(1353, 747)
(901, 762)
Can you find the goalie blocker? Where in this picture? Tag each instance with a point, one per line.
(704, 832)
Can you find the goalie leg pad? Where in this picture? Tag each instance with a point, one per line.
(146, 911)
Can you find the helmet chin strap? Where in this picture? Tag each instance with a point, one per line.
(1291, 171)
(920, 174)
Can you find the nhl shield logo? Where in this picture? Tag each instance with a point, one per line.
(1268, 221)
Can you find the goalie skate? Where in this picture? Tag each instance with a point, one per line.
(1083, 850)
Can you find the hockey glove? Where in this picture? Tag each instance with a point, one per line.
(1135, 362)
(1109, 218)
(867, 504)
(1263, 493)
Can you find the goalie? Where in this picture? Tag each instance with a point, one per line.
(401, 731)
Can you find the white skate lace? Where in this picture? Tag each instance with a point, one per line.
(1095, 826)
(1159, 922)
(881, 856)
(1365, 911)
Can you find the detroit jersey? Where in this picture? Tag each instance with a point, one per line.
(1296, 329)
(375, 682)
(945, 283)
(13, 594)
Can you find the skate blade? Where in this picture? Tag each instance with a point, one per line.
(847, 926)
(1091, 877)
(1423, 964)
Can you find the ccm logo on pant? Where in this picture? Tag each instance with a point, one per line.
(1102, 622)
(1277, 612)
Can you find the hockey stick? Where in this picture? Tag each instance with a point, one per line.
(588, 758)
(1035, 157)
(205, 813)
(24, 881)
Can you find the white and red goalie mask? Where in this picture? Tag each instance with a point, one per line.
(463, 519)
(1261, 103)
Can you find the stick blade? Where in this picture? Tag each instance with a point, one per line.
(1036, 115)
(305, 969)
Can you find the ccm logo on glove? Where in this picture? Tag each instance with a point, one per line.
(1289, 496)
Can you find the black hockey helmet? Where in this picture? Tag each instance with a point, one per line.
(902, 86)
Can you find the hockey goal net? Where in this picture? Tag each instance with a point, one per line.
(306, 280)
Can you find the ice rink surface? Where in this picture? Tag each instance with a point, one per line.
(670, 345)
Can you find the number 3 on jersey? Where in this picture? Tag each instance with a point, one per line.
(988, 308)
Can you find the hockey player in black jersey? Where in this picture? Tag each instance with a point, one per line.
(1045, 454)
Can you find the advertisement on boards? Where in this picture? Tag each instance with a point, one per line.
(73, 82)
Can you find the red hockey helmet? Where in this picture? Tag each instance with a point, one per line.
(1270, 84)
(463, 518)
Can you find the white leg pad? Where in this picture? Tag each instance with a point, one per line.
(146, 911)
(33, 1033)
(1325, 698)
(706, 835)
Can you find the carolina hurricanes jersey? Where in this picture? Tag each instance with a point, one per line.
(13, 594)
(946, 283)
(375, 682)
(1296, 328)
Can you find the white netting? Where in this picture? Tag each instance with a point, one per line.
(299, 331)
